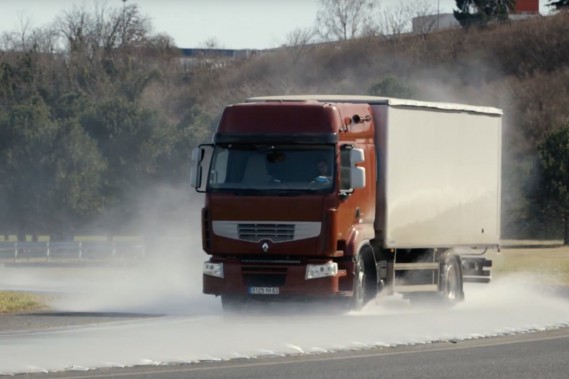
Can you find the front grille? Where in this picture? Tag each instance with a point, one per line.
(263, 269)
(272, 232)
(256, 231)
(264, 276)
(263, 280)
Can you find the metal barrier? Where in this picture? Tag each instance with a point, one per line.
(53, 251)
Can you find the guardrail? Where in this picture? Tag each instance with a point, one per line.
(66, 251)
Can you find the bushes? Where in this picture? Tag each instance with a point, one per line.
(136, 112)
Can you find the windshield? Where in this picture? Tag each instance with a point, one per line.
(272, 167)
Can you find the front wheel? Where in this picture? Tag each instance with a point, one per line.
(359, 288)
(365, 282)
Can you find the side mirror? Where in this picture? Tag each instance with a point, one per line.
(357, 174)
(194, 171)
(201, 159)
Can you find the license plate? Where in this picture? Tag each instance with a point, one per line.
(264, 290)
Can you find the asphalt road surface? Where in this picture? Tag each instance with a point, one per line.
(137, 323)
(531, 355)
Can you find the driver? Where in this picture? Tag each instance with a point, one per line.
(323, 172)
(322, 167)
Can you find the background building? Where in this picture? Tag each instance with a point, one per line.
(430, 23)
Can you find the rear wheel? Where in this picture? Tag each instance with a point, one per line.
(451, 286)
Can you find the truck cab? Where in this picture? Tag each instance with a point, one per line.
(289, 195)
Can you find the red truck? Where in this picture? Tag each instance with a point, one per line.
(344, 197)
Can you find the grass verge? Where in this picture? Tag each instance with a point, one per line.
(13, 302)
(550, 263)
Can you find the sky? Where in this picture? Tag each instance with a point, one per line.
(234, 24)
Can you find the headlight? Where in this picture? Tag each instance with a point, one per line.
(213, 269)
(321, 271)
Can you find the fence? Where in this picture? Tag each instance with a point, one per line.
(91, 251)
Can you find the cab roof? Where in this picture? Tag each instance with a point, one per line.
(377, 100)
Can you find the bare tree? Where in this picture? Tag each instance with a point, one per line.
(394, 21)
(7, 41)
(343, 19)
(75, 27)
(211, 43)
(425, 18)
(17, 40)
(45, 40)
(298, 42)
(107, 48)
(397, 20)
(105, 28)
(28, 40)
(300, 37)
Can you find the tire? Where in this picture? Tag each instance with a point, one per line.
(359, 296)
(451, 285)
(450, 291)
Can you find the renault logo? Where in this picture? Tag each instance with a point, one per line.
(265, 247)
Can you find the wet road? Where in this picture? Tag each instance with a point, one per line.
(105, 322)
(535, 355)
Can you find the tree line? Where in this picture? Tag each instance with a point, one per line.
(87, 119)
(98, 115)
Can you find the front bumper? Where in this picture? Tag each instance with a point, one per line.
(290, 279)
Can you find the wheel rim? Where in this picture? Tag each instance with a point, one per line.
(451, 281)
(359, 287)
